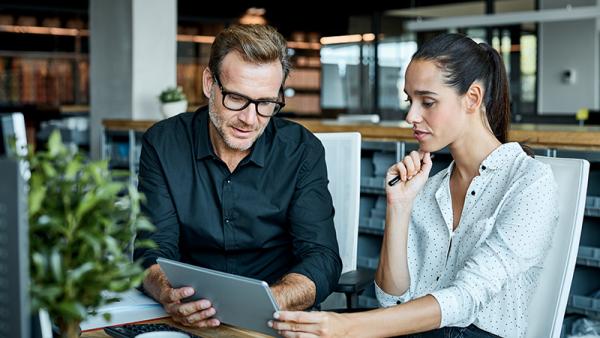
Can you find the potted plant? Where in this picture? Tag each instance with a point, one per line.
(173, 101)
(82, 221)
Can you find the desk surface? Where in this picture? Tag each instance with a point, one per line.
(222, 331)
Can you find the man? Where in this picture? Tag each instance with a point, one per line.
(232, 188)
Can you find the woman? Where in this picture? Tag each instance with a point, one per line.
(462, 250)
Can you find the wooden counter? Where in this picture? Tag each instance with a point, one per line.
(535, 135)
(223, 331)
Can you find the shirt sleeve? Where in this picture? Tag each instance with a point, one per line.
(386, 300)
(520, 239)
(158, 207)
(311, 225)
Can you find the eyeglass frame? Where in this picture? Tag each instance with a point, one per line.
(225, 92)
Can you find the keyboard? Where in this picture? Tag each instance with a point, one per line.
(132, 330)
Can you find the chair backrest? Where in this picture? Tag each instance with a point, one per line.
(549, 302)
(342, 155)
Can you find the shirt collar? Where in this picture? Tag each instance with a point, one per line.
(501, 157)
(205, 149)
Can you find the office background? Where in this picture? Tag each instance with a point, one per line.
(94, 70)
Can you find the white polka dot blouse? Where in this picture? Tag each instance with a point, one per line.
(485, 271)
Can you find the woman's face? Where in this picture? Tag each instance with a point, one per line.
(436, 110)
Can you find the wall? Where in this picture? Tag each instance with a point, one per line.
(155, 55)
(133, 51)
(568, 45)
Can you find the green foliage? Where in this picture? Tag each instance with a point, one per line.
(172, 94)
(82, 219)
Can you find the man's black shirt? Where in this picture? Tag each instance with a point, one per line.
(272, 216)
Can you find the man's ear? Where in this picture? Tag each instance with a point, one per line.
(207, 82)
(474, 97)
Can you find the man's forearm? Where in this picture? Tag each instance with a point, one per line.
(155, 281)
(294, 292)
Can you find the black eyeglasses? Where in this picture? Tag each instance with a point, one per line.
(236, 102)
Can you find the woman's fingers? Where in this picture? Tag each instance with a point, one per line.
(398, 169)
(299, 316)
(410, 166)
(416, 157)
(413, 164)
(291, 334)
(427, 163)
(296, 327)
(297, 323)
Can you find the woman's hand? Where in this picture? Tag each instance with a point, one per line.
(413, 171)
(294, 324)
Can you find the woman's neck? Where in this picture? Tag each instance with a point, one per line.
(470, 150)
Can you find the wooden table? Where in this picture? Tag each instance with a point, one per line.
(573, 137)
(223, 331)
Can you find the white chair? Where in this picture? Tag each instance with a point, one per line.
(549, 302)
(342, 155)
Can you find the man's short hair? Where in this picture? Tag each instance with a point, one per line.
(255, 43)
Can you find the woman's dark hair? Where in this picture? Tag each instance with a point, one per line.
(464, 61)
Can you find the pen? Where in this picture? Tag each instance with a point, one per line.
(397, 178)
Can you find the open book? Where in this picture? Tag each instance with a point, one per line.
(134, 306)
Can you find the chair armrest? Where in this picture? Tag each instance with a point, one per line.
(355, 281)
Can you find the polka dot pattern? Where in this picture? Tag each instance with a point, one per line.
(485, 271)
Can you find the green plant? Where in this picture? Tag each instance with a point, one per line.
(82, 219)
(172, 94)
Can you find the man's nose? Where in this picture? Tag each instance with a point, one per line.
(249, 115)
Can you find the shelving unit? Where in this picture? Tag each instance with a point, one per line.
(54, 72)
(53, 77)
(303, 86)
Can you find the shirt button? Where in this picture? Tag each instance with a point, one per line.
(228, 181)
(483, 167)
(473, 192)
(437, 278)
(398, 302)
(226, 220)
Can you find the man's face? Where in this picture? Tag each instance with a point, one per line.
(240, 129)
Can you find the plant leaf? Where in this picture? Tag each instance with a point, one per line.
(56, 265)
(55, 144)
(76, 274)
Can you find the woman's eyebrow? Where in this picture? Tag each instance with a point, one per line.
(425, 92)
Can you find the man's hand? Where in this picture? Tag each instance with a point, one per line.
(197, 313)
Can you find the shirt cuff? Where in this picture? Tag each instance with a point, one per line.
(450, 306)
(148, 261)
(387, 300)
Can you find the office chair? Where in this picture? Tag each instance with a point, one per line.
(342, 155)
(547, 307)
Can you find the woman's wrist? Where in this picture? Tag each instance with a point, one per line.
(357, 325)
(400, 206)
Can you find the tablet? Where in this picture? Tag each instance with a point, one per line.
(239, 301)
